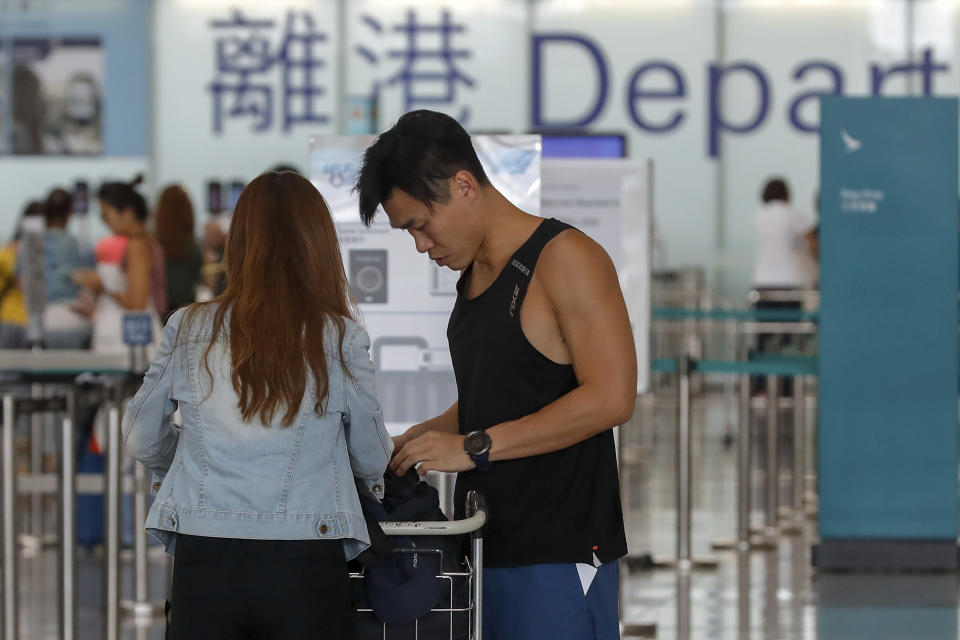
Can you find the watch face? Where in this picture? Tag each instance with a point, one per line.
(477, 443)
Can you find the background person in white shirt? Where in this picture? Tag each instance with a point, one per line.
(784, 239)
(785, 259)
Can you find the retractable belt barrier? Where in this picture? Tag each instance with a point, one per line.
(737, 315)
(66, 374)
(773, 367)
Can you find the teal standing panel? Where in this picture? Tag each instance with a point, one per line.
(888, 458)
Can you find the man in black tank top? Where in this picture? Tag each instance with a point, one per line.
(545, 366)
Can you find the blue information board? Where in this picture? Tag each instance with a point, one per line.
(888, 457)
(584, 146)
(137, 329)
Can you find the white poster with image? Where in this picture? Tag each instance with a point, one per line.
(57, 96)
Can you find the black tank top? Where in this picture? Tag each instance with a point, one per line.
(557, 507)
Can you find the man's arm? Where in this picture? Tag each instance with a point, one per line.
(581, 283)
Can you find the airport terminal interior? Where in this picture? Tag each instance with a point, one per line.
(774, 183)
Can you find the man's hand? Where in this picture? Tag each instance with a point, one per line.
(435, 450)
(402, 439)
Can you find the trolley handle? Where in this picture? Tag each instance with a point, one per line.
(476, 503)
(476, 518)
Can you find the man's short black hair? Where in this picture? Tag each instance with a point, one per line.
(776, 189)
(418, 155)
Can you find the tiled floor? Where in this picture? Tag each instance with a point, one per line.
(760, 595)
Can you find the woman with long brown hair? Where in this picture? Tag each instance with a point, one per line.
(274, 383)
(174, 215)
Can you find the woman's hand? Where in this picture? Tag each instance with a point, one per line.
(88, 278)
(84, 304)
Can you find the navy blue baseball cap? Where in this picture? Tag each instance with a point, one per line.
(405, 584)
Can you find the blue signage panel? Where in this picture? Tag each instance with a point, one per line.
(137, 329)
(888, 335)
(584, 146)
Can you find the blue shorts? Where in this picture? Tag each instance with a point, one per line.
(546, 601)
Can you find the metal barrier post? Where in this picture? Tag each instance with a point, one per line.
(744, 467)
(743, 596)
(729, 384)
(139, 533)
(773, 462)
(112, 526)
(744, 540)
(626, 565)
(68, 522)
(810, 498)
(791, 513)
(142, 609)
(10, 606)
(799, 449)
(683, 605)
(35, 528)
(684, 464)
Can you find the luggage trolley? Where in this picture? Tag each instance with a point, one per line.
(462, 599)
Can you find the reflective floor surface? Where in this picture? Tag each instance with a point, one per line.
(758, 596)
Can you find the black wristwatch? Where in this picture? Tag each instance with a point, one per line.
(477, 445)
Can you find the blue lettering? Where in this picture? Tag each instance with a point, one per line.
(634, 93)
(927, 68)
(717, 124)
(836, 75)
(536, 102)
(878, 75)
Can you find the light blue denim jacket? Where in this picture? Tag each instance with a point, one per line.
(230, 479)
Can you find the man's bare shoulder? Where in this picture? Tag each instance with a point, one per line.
(572, 260)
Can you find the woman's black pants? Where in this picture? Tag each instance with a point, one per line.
(229, 589)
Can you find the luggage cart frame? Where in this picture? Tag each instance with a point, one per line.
(476, 512)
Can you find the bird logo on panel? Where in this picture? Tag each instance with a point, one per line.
(851, 143)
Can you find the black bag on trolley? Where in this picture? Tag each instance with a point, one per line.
(402, 582)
